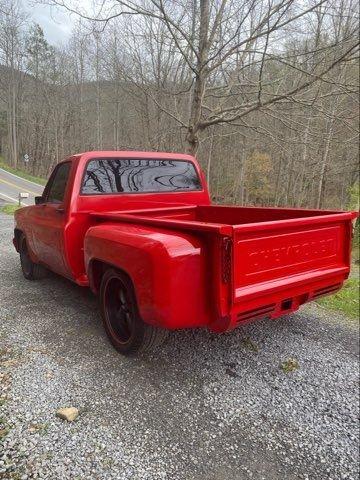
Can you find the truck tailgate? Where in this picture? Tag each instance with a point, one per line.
(272, 260)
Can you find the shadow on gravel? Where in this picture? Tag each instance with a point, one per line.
(78, 325)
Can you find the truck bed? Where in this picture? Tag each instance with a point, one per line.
(224, 219)
(274, 259)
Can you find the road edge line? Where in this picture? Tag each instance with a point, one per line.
(13, 199)
(21, 178)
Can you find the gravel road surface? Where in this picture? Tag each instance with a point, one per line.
(205, 407)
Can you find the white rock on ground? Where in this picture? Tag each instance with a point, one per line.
(68, 413)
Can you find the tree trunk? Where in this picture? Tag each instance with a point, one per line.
(208, 169)
(200, 79)
(323, 170)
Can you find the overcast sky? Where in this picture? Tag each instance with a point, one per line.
(57, 25)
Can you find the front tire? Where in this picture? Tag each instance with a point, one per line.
(123, 325)
(30, 270)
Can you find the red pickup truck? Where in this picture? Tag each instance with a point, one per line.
(140, 230)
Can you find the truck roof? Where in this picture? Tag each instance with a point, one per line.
(132, 154)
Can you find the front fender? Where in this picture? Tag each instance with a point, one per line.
(166, 267)
(22, 225)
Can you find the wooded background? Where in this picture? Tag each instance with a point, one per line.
(264, 92)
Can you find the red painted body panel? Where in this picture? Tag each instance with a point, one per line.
(192, 264)
(167, 269)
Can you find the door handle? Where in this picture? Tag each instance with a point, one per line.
(60, 210)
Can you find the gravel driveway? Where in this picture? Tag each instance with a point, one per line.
(206, 407)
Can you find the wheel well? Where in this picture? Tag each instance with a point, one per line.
(97, 270)
(17, 236)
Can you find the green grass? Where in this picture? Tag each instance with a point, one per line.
(9, 209)
(21, 173)
(346, 300)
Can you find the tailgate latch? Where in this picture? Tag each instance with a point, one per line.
(226, 250)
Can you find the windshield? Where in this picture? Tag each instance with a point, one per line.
(114, 175)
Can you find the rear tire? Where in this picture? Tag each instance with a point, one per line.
(123, 325)
(30, 270)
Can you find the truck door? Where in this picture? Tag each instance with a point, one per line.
(49, 219)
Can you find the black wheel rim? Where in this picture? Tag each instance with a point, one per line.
(25, 259)
(118, 311)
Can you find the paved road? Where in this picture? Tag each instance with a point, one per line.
(205, 407)
(11, 185)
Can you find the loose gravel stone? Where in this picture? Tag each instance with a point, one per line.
(204, 407)
(68, 413)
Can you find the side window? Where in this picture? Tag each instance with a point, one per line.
(56, 191)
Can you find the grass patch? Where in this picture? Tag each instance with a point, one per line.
(249, 344)
(21, 173)
(355, 255)
(42, 428)
(4, 428)
(3, 432)
(289, 365)
(346, 300)
(9, 209)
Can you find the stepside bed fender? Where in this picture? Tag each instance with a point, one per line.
(167, 269)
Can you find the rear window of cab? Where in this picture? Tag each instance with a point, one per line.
(114, 175)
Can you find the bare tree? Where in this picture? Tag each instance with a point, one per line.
(225, 47)
(265, 93)
(11, 56)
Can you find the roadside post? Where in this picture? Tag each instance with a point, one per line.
(22, 195)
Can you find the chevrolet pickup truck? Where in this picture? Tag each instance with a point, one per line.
(139, 229)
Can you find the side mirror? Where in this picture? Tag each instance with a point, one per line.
(39, 200)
